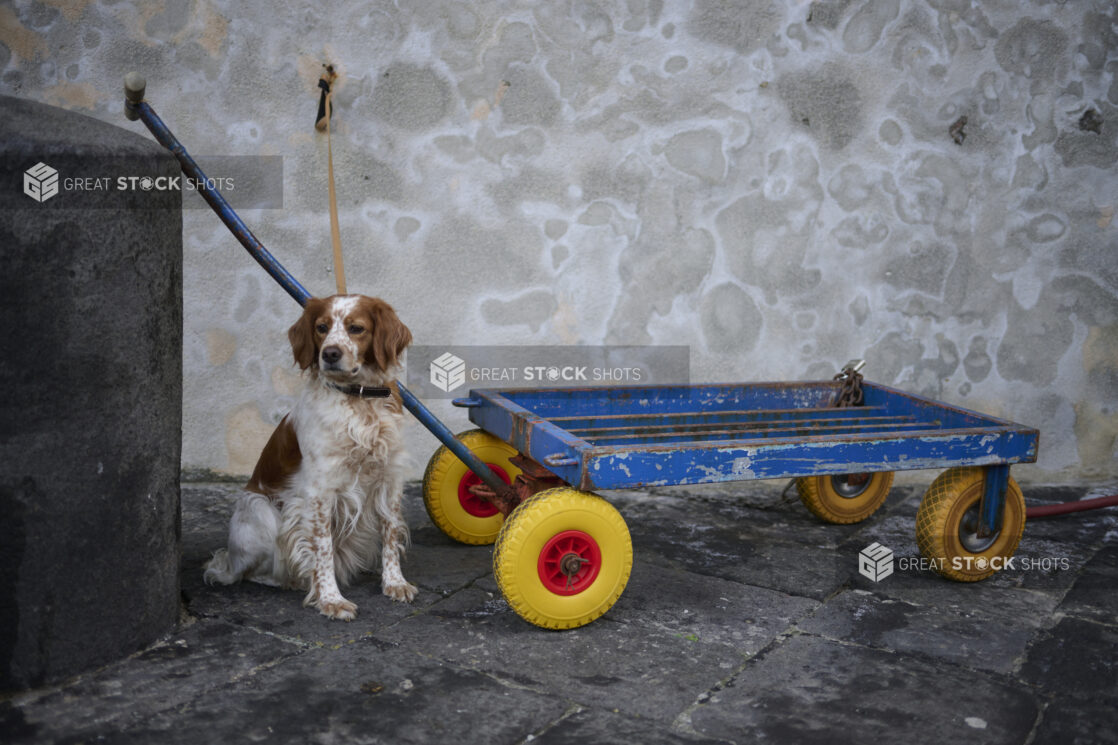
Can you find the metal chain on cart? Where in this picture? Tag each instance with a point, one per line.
(851, 395)
(851, 392)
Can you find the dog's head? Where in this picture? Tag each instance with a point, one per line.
(349, 338)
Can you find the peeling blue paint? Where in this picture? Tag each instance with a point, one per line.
(626, 437)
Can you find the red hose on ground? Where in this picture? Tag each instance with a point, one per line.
(1064, 508)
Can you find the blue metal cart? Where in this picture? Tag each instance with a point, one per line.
(563, 554)
(626, 437)
(525, 479)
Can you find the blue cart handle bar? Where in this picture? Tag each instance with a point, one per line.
(136, 108)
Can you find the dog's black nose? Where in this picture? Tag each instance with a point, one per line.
(330, 355)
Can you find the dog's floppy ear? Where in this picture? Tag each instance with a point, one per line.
(301, 335)
(390, 335)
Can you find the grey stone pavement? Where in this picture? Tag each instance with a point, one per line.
(745, 620)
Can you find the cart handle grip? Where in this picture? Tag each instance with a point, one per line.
(134, 88)
(467, 403)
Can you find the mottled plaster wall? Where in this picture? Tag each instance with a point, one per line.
(773, 183)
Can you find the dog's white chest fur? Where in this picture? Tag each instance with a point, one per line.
(347, 437)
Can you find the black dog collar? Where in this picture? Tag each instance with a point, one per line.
(361, 391)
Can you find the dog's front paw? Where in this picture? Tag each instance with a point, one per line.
(404, 593)
(341, 610)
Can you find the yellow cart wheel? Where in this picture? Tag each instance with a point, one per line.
(947, 526)
(563, 558)
(849, 498)
(446, 489)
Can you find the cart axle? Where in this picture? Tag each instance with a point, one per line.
(532, 479)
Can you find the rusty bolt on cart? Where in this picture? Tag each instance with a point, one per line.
(571, 565)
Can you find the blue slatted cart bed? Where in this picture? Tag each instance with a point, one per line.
(625, 437)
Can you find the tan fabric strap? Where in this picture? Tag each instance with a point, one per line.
(335, 232)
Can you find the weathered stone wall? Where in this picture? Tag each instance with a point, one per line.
(776, 184)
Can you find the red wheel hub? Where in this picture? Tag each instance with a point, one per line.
(569, 563)
(473, 504)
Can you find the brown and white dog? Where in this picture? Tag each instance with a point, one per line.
(326, 492)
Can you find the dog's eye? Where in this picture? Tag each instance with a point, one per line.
(322, 328)
(355, 329)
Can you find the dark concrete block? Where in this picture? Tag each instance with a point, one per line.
(91, 400)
